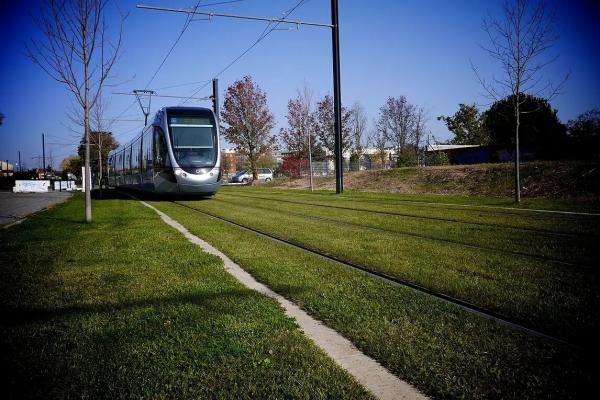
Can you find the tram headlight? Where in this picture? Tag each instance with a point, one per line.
(178, 172)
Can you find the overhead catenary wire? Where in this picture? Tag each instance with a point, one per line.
(185, 26)
(260, 38)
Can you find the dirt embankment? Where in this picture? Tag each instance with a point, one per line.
(578, 181)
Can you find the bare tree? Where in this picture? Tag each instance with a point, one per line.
(397, 118)
(324, 125)
(419, 128)
(76, 52)
(519, 42)
(379, 137)
(358, 124)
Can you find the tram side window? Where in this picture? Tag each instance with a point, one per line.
(135, 158)
(161, 160)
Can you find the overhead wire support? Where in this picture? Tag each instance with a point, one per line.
(337, 95)
(146, 110)
(212, 14)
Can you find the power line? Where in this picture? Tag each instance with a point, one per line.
(182, 84)
(185, 26)
(212, 14)
(260, 38)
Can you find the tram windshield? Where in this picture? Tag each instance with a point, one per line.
(193, 140)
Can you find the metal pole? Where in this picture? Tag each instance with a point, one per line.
(44, 155)
(215, 97)
(337, 97)
(20, 167)
(310, 168)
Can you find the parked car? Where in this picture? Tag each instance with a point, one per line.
(245, 175)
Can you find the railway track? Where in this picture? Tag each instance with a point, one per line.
(418, 235)
(479, 207)
(514, 324)
(425, 217)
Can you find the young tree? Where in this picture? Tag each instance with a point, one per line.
(419, 131)
(76, 52)
(300, 139)
(248, 121)
(519, 42)
(380, 138)
(397, 118)
(298, 134)
(358, 125)
(104, 143)
(324, 125)
(468, 125)
(101, 138)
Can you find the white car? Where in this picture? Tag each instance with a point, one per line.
(245, 176)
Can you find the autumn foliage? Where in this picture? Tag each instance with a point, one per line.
(293, 166)
(248, 121)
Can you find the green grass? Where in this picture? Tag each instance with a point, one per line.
(126, 307)
(556, 298)
(443, 350)
(572, 248)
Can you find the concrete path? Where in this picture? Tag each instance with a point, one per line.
(15, 206)
(368, 372)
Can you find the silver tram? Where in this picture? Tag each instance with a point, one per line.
(177, 153)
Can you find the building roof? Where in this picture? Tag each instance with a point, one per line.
(442, 147)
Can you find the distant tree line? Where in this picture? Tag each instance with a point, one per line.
(541, 131)
(309, 134)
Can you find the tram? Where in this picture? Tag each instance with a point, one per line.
(178, 152)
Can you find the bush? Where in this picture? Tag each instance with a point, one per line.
(293, 166)
(438, 158)
(407, 158)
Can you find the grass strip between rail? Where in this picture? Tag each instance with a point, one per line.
(441, 349)
(126, 307)
(560, 301)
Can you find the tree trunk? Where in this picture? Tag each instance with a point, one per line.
(86, 122)
(517, 166)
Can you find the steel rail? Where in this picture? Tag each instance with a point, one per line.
(420, 236)
(514, 324)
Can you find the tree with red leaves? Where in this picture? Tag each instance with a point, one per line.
(248, 121)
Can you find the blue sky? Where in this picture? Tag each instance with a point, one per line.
(420, 49)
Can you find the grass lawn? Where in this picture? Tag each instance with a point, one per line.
(515, 274)
(443, 350)
(126, 307)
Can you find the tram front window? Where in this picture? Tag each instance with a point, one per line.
(193, 141)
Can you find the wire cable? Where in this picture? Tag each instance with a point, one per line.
(261, 37)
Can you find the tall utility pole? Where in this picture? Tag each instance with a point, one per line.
(335, 39)
(20, 166)
(44, 155)
(215, 98)
(337, 97)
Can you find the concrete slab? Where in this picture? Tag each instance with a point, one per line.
(15, 206)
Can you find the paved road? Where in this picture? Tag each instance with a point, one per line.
(14, 206)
